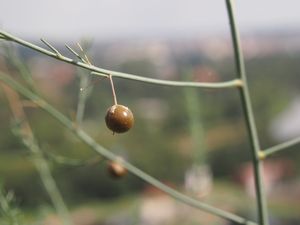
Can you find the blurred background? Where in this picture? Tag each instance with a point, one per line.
(193, 140)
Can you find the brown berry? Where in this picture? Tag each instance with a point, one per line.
(119, 118)
(116, 170)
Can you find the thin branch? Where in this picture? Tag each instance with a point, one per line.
(49, 182)
(76, 54)
(51, 47)
(83, 94)
(280, 147)
(85, 56)
(86, 87)
(225, 84)
(101, 72)
(195, 124)
(83, 136)
(247, 107)
(113, 90)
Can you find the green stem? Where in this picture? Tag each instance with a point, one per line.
(247, 107)
(104, 72)
(226, 84)
(83, 94)
(280, 147)
(49, 182)
(85, 87)
(83, 136)
(195, 124)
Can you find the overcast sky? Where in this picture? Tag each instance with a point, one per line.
(104, 19)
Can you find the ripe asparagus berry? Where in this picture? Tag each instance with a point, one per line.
(119, 118)
(116, 170)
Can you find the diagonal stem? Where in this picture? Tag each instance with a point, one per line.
(280, 147)
(247, 107)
